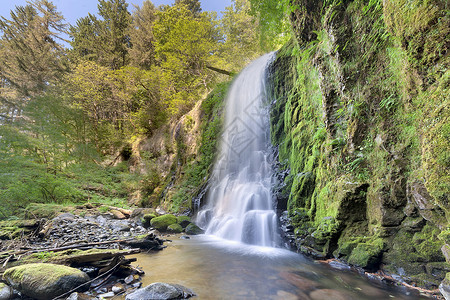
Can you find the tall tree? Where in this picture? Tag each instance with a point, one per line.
(142, 52)
(104, 40)
(30, 54)
(192, 5)
(242, 37)
(184, 46)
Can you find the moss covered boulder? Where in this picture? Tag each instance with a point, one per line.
(193, 229)
(147, 218)
(184, 221)
(44, 281)
(162, 222)
(175, 228)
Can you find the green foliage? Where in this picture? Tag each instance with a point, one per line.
(104, 41)
(273, 22)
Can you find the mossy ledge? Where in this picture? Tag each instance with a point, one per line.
(360, 117)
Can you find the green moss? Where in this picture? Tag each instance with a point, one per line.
(367, 254)
(45, 273)
(162, 222)
(183, 218)
(175, 228)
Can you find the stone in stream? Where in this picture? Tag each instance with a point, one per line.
(298, 281)
(45, 281)
(163, 291)
(78, 296)
(6, 292)
(193, 229)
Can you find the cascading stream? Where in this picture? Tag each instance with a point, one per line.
(239, 202)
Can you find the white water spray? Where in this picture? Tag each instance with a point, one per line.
(239, 202)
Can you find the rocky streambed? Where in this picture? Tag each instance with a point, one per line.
(82, 255)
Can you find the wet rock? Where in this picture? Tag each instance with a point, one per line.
(185, 237)
(117, 289)
(159, 290)
(129, 279)
(107, 295)
(149, 242)
(298, 281)
(329, 294)
(338, 265)
(44, 281)
(6, 292)
(193, 229)
(79, 296)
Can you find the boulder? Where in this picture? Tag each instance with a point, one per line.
(6, 292)
(184, 221)
(146, 219)
(162, 222)
(444, 287)
(193, 229)
(148, 242)
(45, 281)
(174, 228)
(159, 290)
(117, 214)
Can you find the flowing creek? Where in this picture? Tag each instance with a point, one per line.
(219, 269)
(240, 255)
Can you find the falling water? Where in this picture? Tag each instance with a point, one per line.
(239, 202)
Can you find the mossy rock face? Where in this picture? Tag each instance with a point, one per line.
(193, 229)
(367, 255)
(162, 222)
(44, 281)
(174, 228)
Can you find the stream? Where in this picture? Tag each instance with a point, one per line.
(215, 268)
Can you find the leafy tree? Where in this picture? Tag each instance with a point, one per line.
(273, 22)
(142, 52)
(241, 35)
(184, 57)
(105, 41)
(30, 53)
(192, 5)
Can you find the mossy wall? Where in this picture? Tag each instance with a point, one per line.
(361, 121)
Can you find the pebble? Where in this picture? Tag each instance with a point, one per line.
(116, 289)
(129, 279)
(107, 295)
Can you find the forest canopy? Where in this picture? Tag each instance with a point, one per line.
(67, 106)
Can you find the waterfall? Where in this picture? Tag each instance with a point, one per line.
(239, 201)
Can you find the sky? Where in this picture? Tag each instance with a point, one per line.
(75, 9)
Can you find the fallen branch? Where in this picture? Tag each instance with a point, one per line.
(89, 282)
(221, 71)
